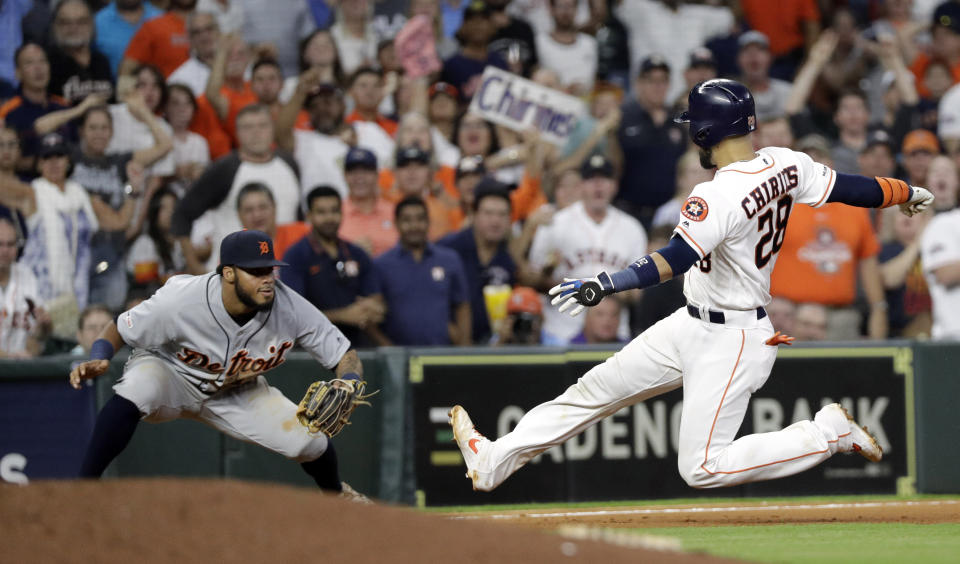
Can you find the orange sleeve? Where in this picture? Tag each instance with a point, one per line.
(919, 68)
(206, 124)
(288, 234)
(527, 197)
(447, 176)
(11, 105)
(140, 47)
(809, 11)
(303, 121)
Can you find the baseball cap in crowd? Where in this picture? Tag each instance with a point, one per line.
(53, 144)
(596, 165)
(476, 8)
(323, 89)
(813, 142)
(920, 140)
(489, 184)
(947, 15)
(470, 165)
(702, 57)
(753, 37)
(879, 137)
(524, 300)
(653, 62)
(443, 88)
(248, 249)
(412, 154)
(358, 157)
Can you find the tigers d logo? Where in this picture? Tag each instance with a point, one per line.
(264, 248)
(695, 209)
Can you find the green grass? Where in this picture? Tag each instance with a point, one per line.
(847, 543)
(685, 501)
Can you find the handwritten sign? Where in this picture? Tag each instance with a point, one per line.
(517, 103)
(416, 48)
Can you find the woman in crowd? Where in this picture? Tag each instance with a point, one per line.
(61, 224)
(191, 154)
(317, 50)
(156, 255)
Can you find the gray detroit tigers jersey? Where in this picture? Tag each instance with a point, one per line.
(186, 324)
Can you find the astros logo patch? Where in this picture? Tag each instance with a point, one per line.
(695, 209)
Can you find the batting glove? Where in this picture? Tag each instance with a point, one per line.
(920, 199)
(581, 292)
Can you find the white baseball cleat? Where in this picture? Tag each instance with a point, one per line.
(863, 442)
(470, 441)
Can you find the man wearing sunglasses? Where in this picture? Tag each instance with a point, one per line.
(201, 345)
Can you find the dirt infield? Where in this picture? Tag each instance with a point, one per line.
(741, 513)
(205, 521)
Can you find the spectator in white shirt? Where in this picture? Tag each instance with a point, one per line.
(23, 321)
(204, 34)
(229, 13)
(130, 133)
(569, 53)
(354, 34)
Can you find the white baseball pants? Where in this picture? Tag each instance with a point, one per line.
(719, 367)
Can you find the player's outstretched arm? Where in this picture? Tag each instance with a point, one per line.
(650, 270)
(879, 192)
(103, 349)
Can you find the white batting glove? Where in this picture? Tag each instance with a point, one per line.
(919, 201)
(582, 293)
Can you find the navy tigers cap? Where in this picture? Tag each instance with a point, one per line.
(248, 249)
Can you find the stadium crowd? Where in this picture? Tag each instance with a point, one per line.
(135, 135)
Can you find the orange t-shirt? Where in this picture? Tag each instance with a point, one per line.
(287, 235)
(523, 201)
(781, 21)
(919, 68)
(374, 232)
(820, 253)
(206, 124)
(236, 101)
(386, 123)
(162, 42)
(445, 176)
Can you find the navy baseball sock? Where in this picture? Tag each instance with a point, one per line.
(115, 426)
(324, 470)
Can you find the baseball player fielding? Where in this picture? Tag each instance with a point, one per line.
(201, 345)
(721, 346)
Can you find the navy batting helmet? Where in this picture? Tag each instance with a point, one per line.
(719, 108)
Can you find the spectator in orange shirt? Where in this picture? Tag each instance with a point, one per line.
(367, 218)
(414, 130)
(258, 210)
(414, 178)
(822, 253)
(162, 41)
(791, 25)
(366, 89)
(945, 47)
(228, 68)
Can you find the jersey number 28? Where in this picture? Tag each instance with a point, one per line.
(775, 227)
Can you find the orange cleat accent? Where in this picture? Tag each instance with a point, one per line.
(779, 339)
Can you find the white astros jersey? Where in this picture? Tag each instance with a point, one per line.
(17, 301)
(186, 325)
(737, 221)
(581, 248)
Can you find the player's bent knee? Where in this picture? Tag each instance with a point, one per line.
(697, 477)
(310, 449)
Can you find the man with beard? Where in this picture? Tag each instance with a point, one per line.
(161, 42)
(334, 275)
(76, 68)
(201, 345)
(116, 25)
(321, 151)
(566, 51)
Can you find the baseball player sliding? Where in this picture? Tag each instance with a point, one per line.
(721, 346)
(201, 345)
